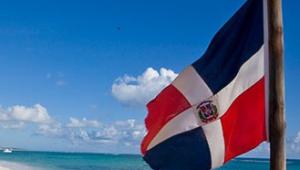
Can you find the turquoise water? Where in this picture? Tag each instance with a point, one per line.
(85, 161)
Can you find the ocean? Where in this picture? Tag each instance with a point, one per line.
(86, 161)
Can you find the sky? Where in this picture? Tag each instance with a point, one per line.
(75, 76)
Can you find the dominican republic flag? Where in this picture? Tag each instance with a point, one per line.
(216, 108)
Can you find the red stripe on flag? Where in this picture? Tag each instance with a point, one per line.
(167, 105)
(244, 122)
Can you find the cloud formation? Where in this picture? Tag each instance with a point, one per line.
(77, 123)
(292, 148)
(125, 132)
(76, 130)
(16, 116)
(51, 130)
(139, 90)
(293, 144)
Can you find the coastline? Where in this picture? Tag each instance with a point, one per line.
(7, 165)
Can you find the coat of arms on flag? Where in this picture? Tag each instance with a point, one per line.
(207, 111)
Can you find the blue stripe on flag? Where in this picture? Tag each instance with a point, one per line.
(188, 150)
(239, 39)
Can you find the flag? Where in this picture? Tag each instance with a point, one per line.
(215, 110)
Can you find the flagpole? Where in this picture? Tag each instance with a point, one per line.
(276, 87)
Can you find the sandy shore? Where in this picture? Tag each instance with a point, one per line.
(4, 168)
(5, 165)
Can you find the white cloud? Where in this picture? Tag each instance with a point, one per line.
(126, 132)
(292, 148)
(52, 130)
(60, 82)
(84, 135)
(18, 113)
(77, 123)
(58, 78)
(12, 125)
(293, 144)
(76, 130)
(139, 90)
(36, 114)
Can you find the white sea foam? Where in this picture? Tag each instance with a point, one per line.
(6, 165)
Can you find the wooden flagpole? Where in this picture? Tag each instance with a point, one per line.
(276, 87)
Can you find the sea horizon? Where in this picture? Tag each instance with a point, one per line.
(120, 153)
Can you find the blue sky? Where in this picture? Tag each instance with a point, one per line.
(61, 60)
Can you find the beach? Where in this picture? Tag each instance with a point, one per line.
(6, 165)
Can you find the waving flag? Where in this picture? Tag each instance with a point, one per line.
(215, 109)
